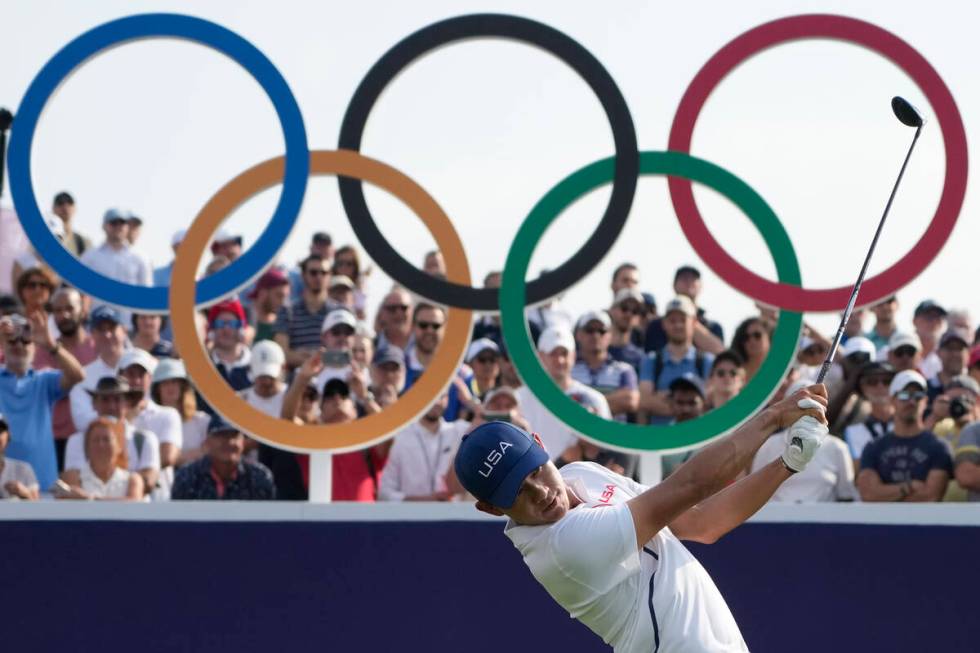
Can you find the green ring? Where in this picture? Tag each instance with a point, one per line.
(634, 436)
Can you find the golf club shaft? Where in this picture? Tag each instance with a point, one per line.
(864, 268)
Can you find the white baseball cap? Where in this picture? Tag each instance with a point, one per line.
(339, 316)
(267, 359)
(859, 344)
(683, 304)
(904, 378)
(137, 356)
(554, 337)
(479, 345)
(904, 339)
(594, 316)
(178, 237)
(341, 280)
(501, 390)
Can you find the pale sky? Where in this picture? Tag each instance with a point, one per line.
(487, 127)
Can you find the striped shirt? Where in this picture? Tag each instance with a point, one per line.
(301, 326)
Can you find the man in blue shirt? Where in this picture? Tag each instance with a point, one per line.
(595, 368)
(27, 397)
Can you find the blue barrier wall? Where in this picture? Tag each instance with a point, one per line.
(454, 586)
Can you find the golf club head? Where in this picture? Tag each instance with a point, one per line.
(905, 112)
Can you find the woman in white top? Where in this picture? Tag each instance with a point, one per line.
(172, 388)
(104, 475)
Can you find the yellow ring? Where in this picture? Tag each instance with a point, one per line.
(320, 437)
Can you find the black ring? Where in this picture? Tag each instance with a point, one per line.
(547, 38)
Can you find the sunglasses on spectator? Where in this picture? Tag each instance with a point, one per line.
(904, 351)
(630, 308)
(34, 285)
(226, 324)
(24, 339)
(486, 360)
(392, 308)
(117, 222)
(813, 350)
(594, 330)
(425, 326)
(341, 330)
(905, 395)
(314, 272)
(723, 373)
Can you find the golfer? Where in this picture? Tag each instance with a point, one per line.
(608, 549)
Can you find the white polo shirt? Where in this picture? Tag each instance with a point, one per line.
(419, 460)
(658, 598)
(555, 435)
(163, 421)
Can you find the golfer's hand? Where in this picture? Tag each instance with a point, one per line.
(790, 409)
(805, 435)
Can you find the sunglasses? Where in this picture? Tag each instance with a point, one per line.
(875, 380)
(905, 395)
(392, 308)
(425, 326)
(904, 351)
(317, 273)
(723, 373)
(594, 330)
(116, 223)
(486, 360)
(226, 324)
(341, 330)
(34, 285)
(634, 310)
(23, 339)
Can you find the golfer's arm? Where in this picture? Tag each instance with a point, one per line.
(712, 518)
(701, 477)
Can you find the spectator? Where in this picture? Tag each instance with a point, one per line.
(556, 347)
(114, 258)
(337, 341)
(110, 339)
(341, 292)
(394, 323)
(973, 364)
(420, 457)
(687, 398)
(930, 323)
(161, 275)
(678, 357)
(266, 367)
(347, 263)
(909, 463)
(113, 398)
(855, 325)
(625, 276)
(223, 473)
(34, 288)
(503, 405)
(101, 476)
(954, 354)
(614, 379)
(885, 326)
(388, 369)
(968, 461)
(230, 355)
(904, 351)
(954, 409)
(752, 342)
(298, 326)
(726, 380)
(268, 299)
(171, 388)
(484, 357)
(434, 264)
(626, 340)
(708, 334)
(66, 309)
(508, 373)
(846, 406)
(960, 320)
(135, 224)
(17, 479)
(649, 315)
(488, 326)
(828, 477)
(320, 245)
(362, 349)
(64, 208)
(227, 245)
(872, 386)
(427, 323)
(147, 335)
(27, 397)
(137, 367)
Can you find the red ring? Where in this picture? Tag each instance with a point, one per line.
(884, 43)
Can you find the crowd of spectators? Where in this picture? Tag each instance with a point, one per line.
(95, 402)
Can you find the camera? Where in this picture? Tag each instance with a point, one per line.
(960, 406)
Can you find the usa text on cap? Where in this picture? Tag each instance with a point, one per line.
(494, 459)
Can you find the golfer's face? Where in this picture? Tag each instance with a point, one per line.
(542, 498)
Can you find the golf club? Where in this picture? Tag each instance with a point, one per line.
(6, 119)
(908, 115)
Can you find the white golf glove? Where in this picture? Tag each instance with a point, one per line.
(803, 438)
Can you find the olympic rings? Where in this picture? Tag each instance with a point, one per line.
(547, 38)
(62, 64)
(874, 38)
(634, 436)
(334, 437)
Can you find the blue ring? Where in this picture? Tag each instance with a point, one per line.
(61, 65)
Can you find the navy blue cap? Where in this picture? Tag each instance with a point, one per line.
(648, 299)
(494, 459)
(688, 381)
(389, 354)
(218, 424)
(929, 306)
(104, 312)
